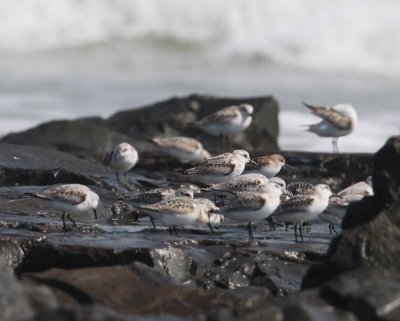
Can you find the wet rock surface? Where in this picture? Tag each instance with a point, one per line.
(119, 268)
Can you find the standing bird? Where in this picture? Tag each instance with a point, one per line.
(220, 168)
(183, 149)
(122, 158)
(301, 208)
(253, 207)
(269, 165)
(339, 203)
(179, 211)
(337, 121)
(69, 199)
(227, 121)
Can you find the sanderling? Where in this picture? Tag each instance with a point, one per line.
(220, 168)
(228, 120)
(242, 183)
(252, 207)
(300, 188)
(122, 158)
(176, 212)
(301, 208)
(158, 194)
(69, 199)
(339, 202)
(269, 165)
(337, 121)
(184, 149)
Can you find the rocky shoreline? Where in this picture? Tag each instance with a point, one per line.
(118, 268)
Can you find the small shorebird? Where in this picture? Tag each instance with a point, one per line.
(253, 207)
(183, 149)
(339, 202)
(337, 121)
(158, 194)
(300, 188)
(176, 212)
(301, 208)
(220, 168)
(227, 121)
(269, 165)
(69, 199)
(122, 158)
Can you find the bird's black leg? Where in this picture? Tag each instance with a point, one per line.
(211, 228)
(153, 223)
(301, 233)
(295, 232)
(95, 213)
(63, 219)
(175, 231)
(170, 230)
(335, 145)
(330, 228)
(118, 178)
(251, 238)
(73, 222)
(333, 228)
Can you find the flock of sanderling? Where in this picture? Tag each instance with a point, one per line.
(249, 198)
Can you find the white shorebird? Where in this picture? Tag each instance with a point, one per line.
(253, 207)
(158, 194)
(184, 149)
(339, 202)
(122, 158)
(337, 121)
(220, 168)
(269, 165)
(227, 121)
(176, 212)
(301, 208)
(69, 199)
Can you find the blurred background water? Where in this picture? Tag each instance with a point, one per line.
(73, 58)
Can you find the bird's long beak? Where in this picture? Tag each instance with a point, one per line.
(288, 167)
(254, 163)
(95, 213)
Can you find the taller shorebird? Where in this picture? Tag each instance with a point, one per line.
(337, 121)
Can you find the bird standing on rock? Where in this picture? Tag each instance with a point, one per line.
(269, 165)
(220, 168)
(69, 199)
(122, 158)
(227, 121)
(337, 121)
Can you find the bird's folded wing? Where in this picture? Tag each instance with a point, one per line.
(331, 115)
(294, 204)
(62, 194)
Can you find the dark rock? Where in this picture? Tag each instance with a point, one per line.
(88, 137)
(20, 301)
(371, 227)
(132, 294)
(94, 138)
(28, 165)
(14, 305)
(179, 113)
(386, 175)
(370, 294)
